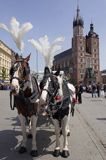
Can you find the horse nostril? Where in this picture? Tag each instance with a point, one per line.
(13, 89)
(16, 87)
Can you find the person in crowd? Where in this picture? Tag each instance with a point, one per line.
(94, 90)
(102, 91)
(104, 88)
(76, 92)
(80, 91)
(98, 89)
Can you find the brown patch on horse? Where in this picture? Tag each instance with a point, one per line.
(24, 106)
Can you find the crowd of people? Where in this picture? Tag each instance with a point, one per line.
(4, 86)
(98, 90)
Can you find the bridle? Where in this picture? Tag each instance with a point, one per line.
(51, 101)
(21, 84)
(51, 94)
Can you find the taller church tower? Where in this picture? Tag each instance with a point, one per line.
(85, 52)
(78, 47)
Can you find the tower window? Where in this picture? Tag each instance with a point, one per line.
(80, 41)
(81, 66)
(95, 42)
(81, 60)
(94, 50)
(95, 61)
(81, 76)
(81, 48)
(81, 54)
(95, 67)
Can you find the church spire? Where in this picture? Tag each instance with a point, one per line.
(91, 32)
(78, 11)
(78, 21)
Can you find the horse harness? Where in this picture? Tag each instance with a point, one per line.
(56, 106)
(22, 97)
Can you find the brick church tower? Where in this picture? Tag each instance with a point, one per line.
(78, 48)
(82, 60)
(85, 51)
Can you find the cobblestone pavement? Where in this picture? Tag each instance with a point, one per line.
(87, 140)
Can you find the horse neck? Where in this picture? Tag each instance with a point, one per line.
(44, 92)
(72, 90)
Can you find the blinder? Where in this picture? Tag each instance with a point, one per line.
(53, 84)
(13, 69)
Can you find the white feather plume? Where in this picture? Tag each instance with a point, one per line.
(48, 51)
(17, 32)
(3, 26)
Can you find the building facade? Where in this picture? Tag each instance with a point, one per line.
(81, 62)
(6, 55)
(103, 76)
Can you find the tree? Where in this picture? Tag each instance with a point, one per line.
(4, 75)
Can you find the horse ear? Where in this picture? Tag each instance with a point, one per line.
(27, 58)
(58, 72)
(16, 56)
(46, 71)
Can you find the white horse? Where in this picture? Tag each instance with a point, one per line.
(56, 95)
(25, 91)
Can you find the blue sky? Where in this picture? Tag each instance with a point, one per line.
(53, 18)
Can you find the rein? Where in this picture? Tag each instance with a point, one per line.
(50, 103)
(58, 105)
(30, 98)
(11, 104)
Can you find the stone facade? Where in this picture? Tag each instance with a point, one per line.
(6, 55)
(81, 62)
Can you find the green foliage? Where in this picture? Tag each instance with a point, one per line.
(3, 73)
(70, 79)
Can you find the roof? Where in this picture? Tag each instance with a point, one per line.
(63, 54)
(6, 46)
(103, 71)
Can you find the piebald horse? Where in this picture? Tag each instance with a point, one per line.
(56, 95)
(25, 90)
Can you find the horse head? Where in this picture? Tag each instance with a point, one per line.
(51, 86)
(19, 72)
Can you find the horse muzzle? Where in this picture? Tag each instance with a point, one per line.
(14, 90)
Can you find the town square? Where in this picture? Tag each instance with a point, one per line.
(52, 80)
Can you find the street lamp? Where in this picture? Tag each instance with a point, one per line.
(37, 61)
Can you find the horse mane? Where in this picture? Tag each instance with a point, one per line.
(11, 71)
